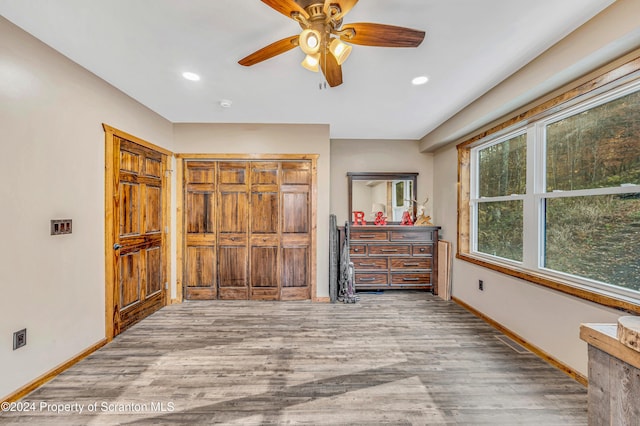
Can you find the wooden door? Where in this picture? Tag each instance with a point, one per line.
(295, 193)
(138, 240)
(265, 229)
(200, 230)
(233, 226)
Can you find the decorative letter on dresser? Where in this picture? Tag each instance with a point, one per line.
(394, 257)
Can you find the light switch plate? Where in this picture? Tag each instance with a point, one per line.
(61, 226)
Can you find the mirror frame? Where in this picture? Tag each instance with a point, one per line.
(351, 176)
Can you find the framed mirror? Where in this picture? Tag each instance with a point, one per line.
(388, 192)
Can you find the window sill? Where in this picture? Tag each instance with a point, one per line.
(609, 300)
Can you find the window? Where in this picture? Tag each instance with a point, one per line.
(591, 198)
(555, 198)
(501, 187)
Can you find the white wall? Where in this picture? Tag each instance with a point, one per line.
(271, 139)
(52, 167)
(353, 155)
(546, 318)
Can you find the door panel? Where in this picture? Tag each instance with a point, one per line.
(153, 209)
(154, 270)
(232, 273)
(138, 250)
(264, 212)
(233, 212)
(295, 273)
(130, 266)
(153, 167)
(264, 173)
(296, 173)
(265, 273)
(201, 273)
(129, 161)
(233, 266)
(200, 223)
(296, 230)
(200, 213)
(295, 212)
(232, 172)
(233, 230)
(129, 208)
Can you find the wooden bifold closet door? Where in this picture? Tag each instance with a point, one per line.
(247, 227)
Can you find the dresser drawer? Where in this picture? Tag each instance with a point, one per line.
(370, 263)
(357, 249)
(369, 235)
(371, 279)
(389, 250)
(422, 250)
(411, 236)
(408, 278)
(411, 263)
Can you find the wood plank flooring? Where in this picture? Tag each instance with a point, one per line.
(402, 358)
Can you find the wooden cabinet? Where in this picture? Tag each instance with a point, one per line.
(247, 228)
(394, 256)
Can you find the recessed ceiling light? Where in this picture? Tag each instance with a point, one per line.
(225, 103)
(420, 80)
(191, 76)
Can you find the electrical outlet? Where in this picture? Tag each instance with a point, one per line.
(480, 285)
(19, 338)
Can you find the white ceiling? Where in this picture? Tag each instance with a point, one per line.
(143, 46)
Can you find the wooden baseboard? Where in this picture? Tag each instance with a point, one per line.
(534, 349)
(28, 388)
(322, 299)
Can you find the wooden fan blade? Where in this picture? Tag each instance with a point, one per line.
(345, 7)
(286, 7)
(368, 34)
(331, 69)
(270, 51)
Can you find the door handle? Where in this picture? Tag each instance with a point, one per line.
(117, 246)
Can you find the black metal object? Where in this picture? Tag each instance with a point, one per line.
(334, 258)
(347, 293)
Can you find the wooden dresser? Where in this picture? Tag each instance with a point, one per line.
(394, 257)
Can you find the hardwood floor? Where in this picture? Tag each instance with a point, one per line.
(394, 358)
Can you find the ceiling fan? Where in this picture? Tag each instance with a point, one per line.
(323, 34)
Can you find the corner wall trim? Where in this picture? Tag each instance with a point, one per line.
(30, 387)
(575, 375)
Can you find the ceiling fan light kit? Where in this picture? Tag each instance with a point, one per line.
(309, 41)
(323, 34)
(311, 62)
(340, 50)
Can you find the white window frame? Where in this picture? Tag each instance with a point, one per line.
(536, 194)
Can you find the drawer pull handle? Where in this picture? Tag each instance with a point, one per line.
(410, 279)
(389, 250)
(365, 236)
(356, 250)
(411, 264)
(422, 250)
(367, 279)
(366, 264)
